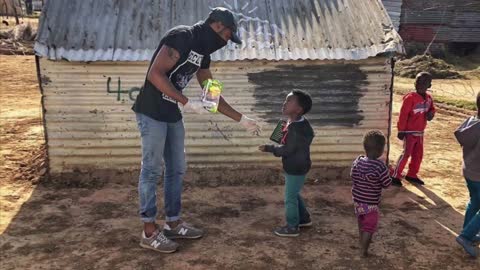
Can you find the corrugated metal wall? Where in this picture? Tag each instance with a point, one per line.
(91, 127)
(10, 7)
(441, 21)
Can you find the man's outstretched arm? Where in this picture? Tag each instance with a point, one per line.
(225, 108)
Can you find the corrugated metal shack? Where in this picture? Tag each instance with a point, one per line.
(11, 7)
(440, 22)
(92, 58)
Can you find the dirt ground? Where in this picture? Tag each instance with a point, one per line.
(17, 39)
(45, 227)
(11, 22)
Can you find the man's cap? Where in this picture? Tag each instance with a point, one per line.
(225, 16)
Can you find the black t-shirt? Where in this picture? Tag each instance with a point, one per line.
(187, 41)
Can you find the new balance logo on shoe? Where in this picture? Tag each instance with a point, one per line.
(155, 243)
(183, 231)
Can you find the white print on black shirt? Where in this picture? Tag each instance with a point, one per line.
(183, 80)
(184, 72)
(195, 58)
(167, 98)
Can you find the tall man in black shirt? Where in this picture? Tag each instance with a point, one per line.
(183, 52)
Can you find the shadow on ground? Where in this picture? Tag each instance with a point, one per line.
(98, 229)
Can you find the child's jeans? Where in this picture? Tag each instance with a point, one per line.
(161, 141)
(471, 226)
(295, 209)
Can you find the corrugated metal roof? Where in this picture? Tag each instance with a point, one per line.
(394, 9)
(91, 129)
(114, 30)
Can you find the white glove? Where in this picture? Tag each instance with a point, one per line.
(197, 106)
(250, 125)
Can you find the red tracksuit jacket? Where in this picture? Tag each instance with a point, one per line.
(413, 115)
(413, 120)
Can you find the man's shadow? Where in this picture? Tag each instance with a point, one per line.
(422, 219)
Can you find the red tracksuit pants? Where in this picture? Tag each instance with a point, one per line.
(412, 148)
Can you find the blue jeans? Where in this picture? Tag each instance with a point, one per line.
(295, 210)
(471, 226)
(161, 141)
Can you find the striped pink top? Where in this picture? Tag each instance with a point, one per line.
(369, 176)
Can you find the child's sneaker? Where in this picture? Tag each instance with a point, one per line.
(397, 182)
(287, 231)
(414, 180)
(469, 247)
(183, 230)
(158, 242)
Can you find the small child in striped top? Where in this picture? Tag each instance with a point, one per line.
(369, 176)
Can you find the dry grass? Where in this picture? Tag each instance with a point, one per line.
(458, 93)
(409, 68)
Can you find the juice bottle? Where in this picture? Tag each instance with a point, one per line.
(212, 90)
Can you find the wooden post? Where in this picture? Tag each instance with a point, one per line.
(17, 21)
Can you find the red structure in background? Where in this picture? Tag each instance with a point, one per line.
(423, 33)
(440, 23)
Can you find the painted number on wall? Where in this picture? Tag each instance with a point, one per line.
(132, 92)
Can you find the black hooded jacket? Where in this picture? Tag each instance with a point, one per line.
(295, 152)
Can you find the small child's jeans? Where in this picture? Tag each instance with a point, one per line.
(471, 225)
(295, 209)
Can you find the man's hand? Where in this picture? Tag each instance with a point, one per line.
(250, 125)
(430, 115)
(195, 106)
(401, 136)
(262, 148)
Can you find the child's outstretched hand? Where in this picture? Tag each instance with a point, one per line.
(262, 148)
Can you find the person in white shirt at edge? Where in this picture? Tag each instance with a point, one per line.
(183, 52)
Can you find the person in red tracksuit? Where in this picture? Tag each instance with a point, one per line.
(417, 109)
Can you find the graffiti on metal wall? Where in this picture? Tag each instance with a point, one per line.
(132, 92)
(246, 15)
